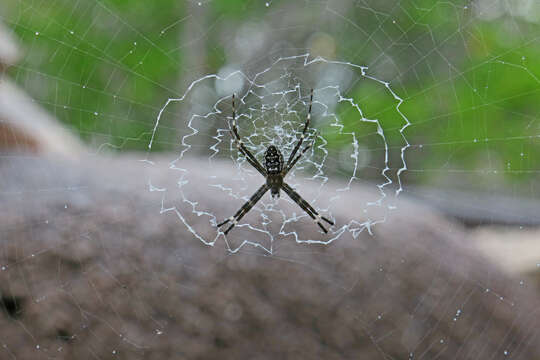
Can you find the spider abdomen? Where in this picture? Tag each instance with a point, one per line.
(273, 160)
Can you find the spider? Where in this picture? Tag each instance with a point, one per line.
(274, 171)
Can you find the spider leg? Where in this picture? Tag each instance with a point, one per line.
(245, 208)
(291, 165)
(305, 206)
(299, 143)
(253, 163)
(251, 159)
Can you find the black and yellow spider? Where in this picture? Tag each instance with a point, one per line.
(274, 171)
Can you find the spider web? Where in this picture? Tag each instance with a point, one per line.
(271, 111)
(435, 101)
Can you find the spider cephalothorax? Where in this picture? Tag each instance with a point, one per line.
(274, 171)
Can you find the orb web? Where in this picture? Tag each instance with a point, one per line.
(466, 75)
(271, 109)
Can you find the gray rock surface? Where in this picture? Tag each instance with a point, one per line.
(92, 270)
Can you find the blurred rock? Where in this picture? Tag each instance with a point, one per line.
(514, 250)
(24, 125)
(92, 270)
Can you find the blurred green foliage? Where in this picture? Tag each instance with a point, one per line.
(96, 66)
(470, 86)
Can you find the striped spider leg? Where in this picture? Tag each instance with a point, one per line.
(245, 208)
(251, 159)
(290, 164)
(306, 207)
(302, 136)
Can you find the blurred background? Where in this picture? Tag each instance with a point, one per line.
(454, 86)
(467, 71)
(465, 74)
